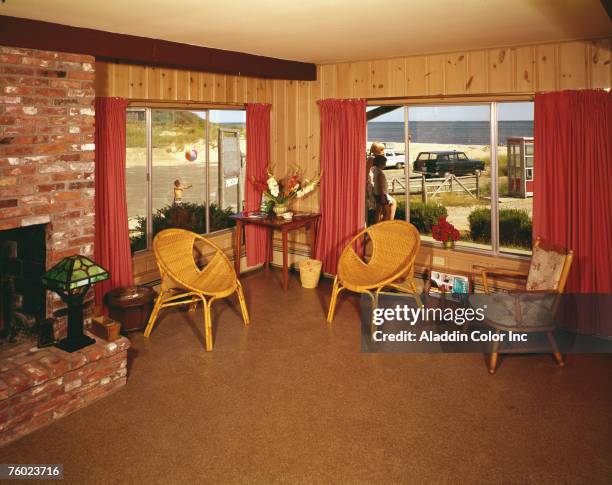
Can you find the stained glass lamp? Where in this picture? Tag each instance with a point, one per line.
(71, 278)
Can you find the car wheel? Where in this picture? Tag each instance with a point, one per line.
(399, 165)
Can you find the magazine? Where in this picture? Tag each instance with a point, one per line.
(454, 287)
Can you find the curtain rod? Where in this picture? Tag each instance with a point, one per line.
(452, 96)
(174, 102)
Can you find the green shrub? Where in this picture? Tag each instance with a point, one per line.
(515, 228)
(189, 216)
(423, 215)
(480, 224)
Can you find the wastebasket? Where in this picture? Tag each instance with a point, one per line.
(131, 305)
(310, 272)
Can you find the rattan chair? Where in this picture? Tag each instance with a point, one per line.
(185, 283)
(394, 247)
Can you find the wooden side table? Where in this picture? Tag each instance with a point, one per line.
(300, 219)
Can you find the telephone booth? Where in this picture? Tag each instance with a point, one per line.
(520, 167)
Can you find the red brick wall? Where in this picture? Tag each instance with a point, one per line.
(47, 148)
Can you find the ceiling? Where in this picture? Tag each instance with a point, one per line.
(324, 31)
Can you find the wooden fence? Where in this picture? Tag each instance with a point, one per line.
(430, 187)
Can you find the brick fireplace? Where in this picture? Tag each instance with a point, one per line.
(47, 181)
(47, 150)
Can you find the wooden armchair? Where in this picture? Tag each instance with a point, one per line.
(547, 275)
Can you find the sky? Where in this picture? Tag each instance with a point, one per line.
(505, 112)
(224, 115)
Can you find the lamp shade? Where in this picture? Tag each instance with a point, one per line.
(73, 273)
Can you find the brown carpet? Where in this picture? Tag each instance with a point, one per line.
(292, 400)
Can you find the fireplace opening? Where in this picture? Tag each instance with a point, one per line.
(22, 295)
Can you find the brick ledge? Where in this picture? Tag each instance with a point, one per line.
(25, 366)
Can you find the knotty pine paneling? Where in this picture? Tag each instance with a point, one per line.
(455, 69)
(416, 76)
(547, 67)
(524, 69)
(476, 81)
(599, 63)
(573, 65)
(435, 75)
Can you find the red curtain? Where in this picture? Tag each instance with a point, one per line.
(343, 141)
(258, 158)
(112, 243)
(572, 197)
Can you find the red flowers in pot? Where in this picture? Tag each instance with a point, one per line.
(444, 231)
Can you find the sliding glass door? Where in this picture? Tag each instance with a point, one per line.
(184, 168)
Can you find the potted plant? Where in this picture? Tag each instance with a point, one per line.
(445, 232)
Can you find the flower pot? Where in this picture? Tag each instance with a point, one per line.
(448, 244)
(280, 209)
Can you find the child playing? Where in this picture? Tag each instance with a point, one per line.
(178, 192)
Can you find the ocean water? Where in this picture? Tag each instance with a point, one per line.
(448, 132)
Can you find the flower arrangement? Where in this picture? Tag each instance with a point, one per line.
(281, 192)
(444, 231)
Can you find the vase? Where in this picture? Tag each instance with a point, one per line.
(280, 209)
(448, 244)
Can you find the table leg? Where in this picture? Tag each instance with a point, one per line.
(313, 238)
(269, 249)
(285, 261)
(237, 247)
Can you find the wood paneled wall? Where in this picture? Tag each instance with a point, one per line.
(295, 114)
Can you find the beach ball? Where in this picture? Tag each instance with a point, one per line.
(191, 155)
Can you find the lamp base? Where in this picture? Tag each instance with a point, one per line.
(75, 343)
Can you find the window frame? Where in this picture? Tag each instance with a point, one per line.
(148, 109)
(492, 102)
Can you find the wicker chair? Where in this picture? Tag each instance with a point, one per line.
(394, 247)
(183, 282)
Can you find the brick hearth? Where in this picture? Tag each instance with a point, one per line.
(38, 386)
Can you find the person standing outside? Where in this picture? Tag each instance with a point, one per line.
(385, 204)
(376, 148)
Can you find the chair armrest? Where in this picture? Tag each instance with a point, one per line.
(535, 292)
(486, 272)
(501, 272)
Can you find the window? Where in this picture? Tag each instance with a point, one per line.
(184, 168)
(136, 177)
(473, 163)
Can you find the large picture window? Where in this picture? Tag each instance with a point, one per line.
(184, 168)
(472, 163)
